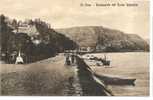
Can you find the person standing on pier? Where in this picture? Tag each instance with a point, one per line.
(72, 58)
(67, 60)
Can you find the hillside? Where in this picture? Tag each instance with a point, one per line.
(105, 39)
(35, 39)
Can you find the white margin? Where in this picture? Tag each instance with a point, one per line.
(103, 98)
(151, 48)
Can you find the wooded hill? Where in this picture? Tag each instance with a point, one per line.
(35, 39)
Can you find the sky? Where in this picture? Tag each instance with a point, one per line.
(69, 13)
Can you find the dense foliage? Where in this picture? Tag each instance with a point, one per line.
(50, 43)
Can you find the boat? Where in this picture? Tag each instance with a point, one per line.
(116, 81)
(104, 60)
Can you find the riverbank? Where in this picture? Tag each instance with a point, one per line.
(91, 85)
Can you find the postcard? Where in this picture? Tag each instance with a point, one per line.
(74, 47)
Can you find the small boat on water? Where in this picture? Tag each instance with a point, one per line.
(104, 60)
(116, 81)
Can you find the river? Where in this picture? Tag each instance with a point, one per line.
(126, 65)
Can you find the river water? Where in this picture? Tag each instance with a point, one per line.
(126, 65)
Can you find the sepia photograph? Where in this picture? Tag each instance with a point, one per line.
(74, 48)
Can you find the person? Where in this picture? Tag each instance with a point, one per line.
(67, 62)
(72, 58)
(71, 79)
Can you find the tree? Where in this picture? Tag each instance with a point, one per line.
(5, 32)
(15, 24)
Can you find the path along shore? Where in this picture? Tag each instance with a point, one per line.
(52, 77)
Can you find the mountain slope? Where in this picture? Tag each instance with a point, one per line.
(105, 39)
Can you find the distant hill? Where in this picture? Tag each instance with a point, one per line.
(105, 39)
